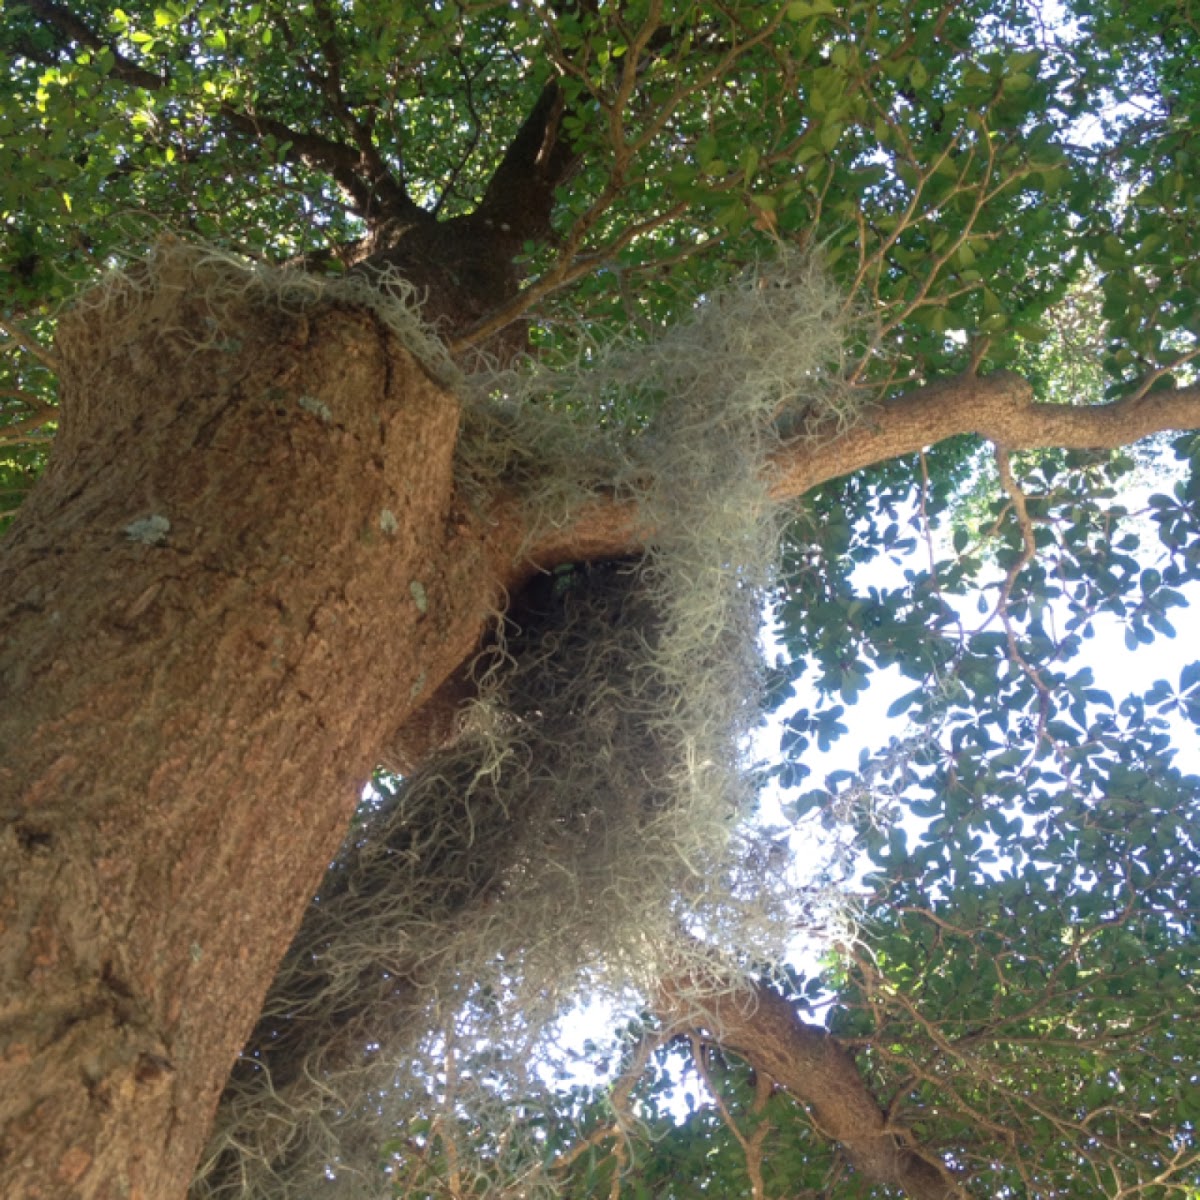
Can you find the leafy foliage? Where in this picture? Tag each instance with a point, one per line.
(995, 186)
(1028, 937)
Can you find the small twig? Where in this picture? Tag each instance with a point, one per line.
(567, 271)
(927, 537)
(29, 429)
(476, 127)
(453, 1170)
(30, 345)
(619, 1099)
(1028, 551)
(752, 1145)
(1159, 372)
(979, 348)
(699, 1060)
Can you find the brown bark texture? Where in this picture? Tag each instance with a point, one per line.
(247, 565)
(244, 566)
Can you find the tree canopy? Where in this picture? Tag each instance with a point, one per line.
(1006, 201)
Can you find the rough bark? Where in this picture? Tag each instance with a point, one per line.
(187, 709)
(245, 564)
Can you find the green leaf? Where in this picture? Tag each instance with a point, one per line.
(900, 706)
(799, 10)
(749, 162)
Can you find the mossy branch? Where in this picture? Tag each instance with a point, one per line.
(999, 408)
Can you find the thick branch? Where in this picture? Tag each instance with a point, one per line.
(520, 193)
(999, 408)
(763, 1028)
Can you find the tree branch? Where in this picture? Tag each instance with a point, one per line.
(520, 193)
(75, 30)
(31, 429)
(374, 196)
(386, 189)
(14, 336)
(761, 1026)
(999, 408)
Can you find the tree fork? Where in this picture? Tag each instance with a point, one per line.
(466, 266)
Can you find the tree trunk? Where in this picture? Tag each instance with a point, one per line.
(247, 565)
(244, 566)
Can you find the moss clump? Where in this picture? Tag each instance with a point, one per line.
(581, 833)
(222, 285)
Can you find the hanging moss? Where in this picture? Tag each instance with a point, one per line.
(581, 831)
